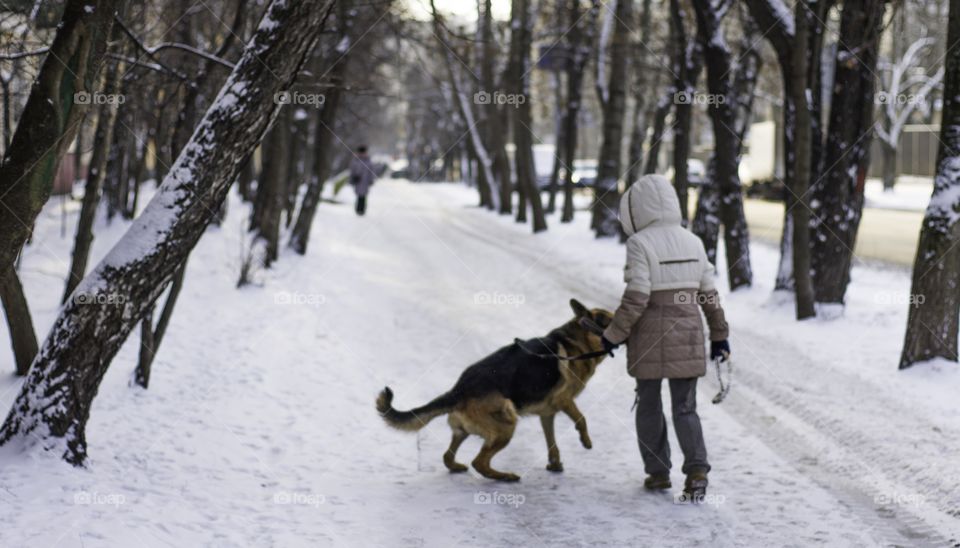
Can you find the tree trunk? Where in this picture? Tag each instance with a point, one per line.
(659, 126)
(23, 338)
(493, 124)
(642, 88)
(54, 403)
(803, 283)
(935, 302)
(322, 143)
(839, 191)
(324, 136)
(520, 43)
(725, 116)
(775, 17)
(706, 222)
(271, 188)
(51, 119)
(889, 166)
(558, 164)
(606, 204)
(784, 278)
(580, 47)
(151, 337)
(688, 62)
(103, 138)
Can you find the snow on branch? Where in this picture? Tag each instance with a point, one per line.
(907, 90)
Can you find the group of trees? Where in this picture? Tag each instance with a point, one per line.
(211, 100)
(183, 97)
(839, 86)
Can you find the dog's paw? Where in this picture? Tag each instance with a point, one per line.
(555, 467)
(509, 478)
(585, 441)
(457, 468)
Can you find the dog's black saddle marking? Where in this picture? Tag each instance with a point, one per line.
(517, 375)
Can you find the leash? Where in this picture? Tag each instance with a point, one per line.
(587, 324)
(587, 356)
(724, 388)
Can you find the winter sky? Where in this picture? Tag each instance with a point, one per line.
(464, 9)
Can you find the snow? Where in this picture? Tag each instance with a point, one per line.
(259, 426)
(911, 193)
(782, 15)
(945, 202)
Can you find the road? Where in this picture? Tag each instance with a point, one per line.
(885, 235)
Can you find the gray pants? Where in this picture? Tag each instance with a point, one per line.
(652, 426)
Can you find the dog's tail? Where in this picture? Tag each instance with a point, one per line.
(414, 419)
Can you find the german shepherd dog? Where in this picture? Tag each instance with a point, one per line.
(490, 394)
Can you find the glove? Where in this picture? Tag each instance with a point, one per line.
(608, 346)
(719, 349)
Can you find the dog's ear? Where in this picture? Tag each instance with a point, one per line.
(578, 308)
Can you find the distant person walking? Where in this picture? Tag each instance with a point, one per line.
(362, 177)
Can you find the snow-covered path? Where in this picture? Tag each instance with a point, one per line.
(259, 426)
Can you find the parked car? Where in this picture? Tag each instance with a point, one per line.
(696, 172)
(584, 173)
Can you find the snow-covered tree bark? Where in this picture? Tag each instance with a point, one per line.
(51, 119)
(54, 403)
(706, 221)
(194, 100)
(614, 93)
(725, 115)
(838, 190)
(935, 299)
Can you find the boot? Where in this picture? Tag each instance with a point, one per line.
(657, 482)
(695, 488)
